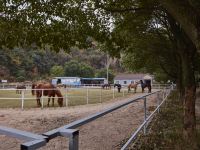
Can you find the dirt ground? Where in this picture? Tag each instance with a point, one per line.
(104, 133)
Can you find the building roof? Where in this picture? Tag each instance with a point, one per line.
(93, 78)
(136, 76)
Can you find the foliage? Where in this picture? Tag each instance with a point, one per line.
(57, 71)
(103, 74)
(78, 69)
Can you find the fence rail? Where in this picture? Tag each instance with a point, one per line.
(86, 95)
(36, 141)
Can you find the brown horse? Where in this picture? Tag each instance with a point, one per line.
(19, 89)
(133, 85)
(47, 89)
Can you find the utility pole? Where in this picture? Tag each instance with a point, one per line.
(107, 67)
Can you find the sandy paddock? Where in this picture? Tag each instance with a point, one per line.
(105, 133)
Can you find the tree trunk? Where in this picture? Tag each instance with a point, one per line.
(189, 98)
(180, 84)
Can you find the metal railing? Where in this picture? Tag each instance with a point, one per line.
(36, 141)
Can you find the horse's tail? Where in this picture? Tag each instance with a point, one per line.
(33, 87)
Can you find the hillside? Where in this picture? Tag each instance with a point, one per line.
(24, 64)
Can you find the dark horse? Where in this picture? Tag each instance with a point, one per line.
(48, 90)
(106, 86)
(144, 85)
(19, 89)
(119, 86)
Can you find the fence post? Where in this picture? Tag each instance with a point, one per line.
(87, 96)
(42, 98)
(22, 99)
(66, 101)
(101, 95)
(158, 101)
(113, 93)
(163, 93)
(145, 113)
(73, 135)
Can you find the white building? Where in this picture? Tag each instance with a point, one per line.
(126, 79)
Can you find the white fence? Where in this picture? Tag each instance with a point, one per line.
(72, 96)
(34, 141)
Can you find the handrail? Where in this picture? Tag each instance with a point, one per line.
(134, 135)
(59, 131)
(72, 133)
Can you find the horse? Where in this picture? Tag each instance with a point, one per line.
(47, 89)
(119, 86)
(133, 85)
(107, 86)
(144, 85)
(19, 89)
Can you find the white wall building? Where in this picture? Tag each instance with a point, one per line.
(126, 79)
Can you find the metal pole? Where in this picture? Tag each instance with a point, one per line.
(66, 101)
(107, 66)
(22, 99)
(158, 101)
(73, 141)
(42, 98)
(73, 135)
(87, 96)
(145, 113)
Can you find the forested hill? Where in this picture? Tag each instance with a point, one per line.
(32, 64)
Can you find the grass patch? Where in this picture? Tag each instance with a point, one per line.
(165, 131)
(74, 97)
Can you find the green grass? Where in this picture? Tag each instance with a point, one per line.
(74, 96)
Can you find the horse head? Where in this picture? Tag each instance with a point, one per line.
(60, 97)
(141, 81)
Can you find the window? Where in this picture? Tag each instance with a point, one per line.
(125, 82)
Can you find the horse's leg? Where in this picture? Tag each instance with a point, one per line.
(48, 101)
(149, 89)
(38, 101)
(135, 89)
(39, 96)
(53, 101)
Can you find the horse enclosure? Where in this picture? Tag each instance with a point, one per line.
(10, 97)
(144, 113)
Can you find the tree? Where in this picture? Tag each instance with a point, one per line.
(103, 74)
(57, 71)
(144, 17)
(76, 69)
(62, 25)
